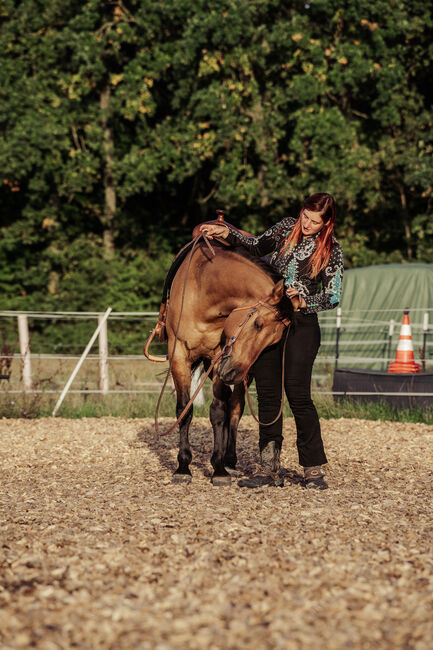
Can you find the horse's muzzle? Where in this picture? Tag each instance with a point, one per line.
(229, 373)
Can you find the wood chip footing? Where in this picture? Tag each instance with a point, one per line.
(98, 549)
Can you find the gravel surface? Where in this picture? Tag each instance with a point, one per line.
(98, 549)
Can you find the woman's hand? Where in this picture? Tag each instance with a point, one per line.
(294, 293)
(212, 230)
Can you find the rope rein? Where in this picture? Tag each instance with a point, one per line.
(268, 424)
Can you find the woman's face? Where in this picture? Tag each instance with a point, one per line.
(311, 222)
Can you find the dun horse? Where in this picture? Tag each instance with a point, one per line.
(220, 301)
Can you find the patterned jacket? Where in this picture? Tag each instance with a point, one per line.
(293, 266)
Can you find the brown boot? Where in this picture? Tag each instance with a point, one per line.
(268, 472)
(314, 478)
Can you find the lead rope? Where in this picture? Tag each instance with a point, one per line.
(268, 424)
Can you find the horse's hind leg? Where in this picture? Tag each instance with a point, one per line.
(236, 409)
(219, 419)
(181, 373)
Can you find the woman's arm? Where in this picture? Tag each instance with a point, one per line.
(332, 284)
(260, 245)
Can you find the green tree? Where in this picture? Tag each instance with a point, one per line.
(123, 124)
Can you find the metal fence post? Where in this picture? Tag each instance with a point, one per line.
(337, 337)
(23, 334)
(390, 335)
(424, 341)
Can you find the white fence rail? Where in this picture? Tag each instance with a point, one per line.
(332, 350)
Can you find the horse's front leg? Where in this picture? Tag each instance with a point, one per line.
(236, 409)
(181, 373)
(219, 420)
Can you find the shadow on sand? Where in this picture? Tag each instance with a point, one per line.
(163, 446)
(201, 440)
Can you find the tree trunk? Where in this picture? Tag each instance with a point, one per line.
(406, 224)
(109, 189)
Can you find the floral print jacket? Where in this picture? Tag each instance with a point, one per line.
(293, 266)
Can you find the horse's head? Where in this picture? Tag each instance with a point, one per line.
(249, 330)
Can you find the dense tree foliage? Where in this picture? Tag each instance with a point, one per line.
(123, 124)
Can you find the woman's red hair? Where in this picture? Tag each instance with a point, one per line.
(325, 204)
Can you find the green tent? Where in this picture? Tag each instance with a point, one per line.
(372, 298)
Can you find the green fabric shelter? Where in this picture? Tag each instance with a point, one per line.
(372, 297)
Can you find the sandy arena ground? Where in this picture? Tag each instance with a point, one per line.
(99, 550)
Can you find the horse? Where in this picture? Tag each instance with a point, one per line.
(222, 303)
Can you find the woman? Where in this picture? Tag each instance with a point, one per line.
(307, 255)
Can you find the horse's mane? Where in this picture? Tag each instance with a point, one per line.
(285, 306)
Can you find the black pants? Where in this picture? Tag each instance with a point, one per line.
(303, 343)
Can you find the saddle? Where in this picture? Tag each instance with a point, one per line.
(160, 326)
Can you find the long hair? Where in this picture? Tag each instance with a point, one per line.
(325, 204)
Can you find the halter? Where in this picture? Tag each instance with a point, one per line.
(253, 308)
(263, 302)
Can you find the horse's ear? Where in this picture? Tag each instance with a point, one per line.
(277, 293)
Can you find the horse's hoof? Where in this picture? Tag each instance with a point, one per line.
(221, 481)
(181, 478)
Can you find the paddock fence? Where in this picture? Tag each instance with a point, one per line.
(35, 358)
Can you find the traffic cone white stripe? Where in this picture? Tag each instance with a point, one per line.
(405, 345)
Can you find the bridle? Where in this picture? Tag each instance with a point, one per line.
(263, 302)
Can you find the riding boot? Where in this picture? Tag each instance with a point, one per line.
(314, 478)
(268, 472)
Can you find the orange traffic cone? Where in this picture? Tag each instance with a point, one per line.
(404, 359)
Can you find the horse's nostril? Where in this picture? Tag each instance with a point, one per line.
(227, 372)
(225, 369)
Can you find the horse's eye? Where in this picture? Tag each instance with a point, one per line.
(258, 325)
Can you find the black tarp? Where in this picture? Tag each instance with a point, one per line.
(402, 390)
